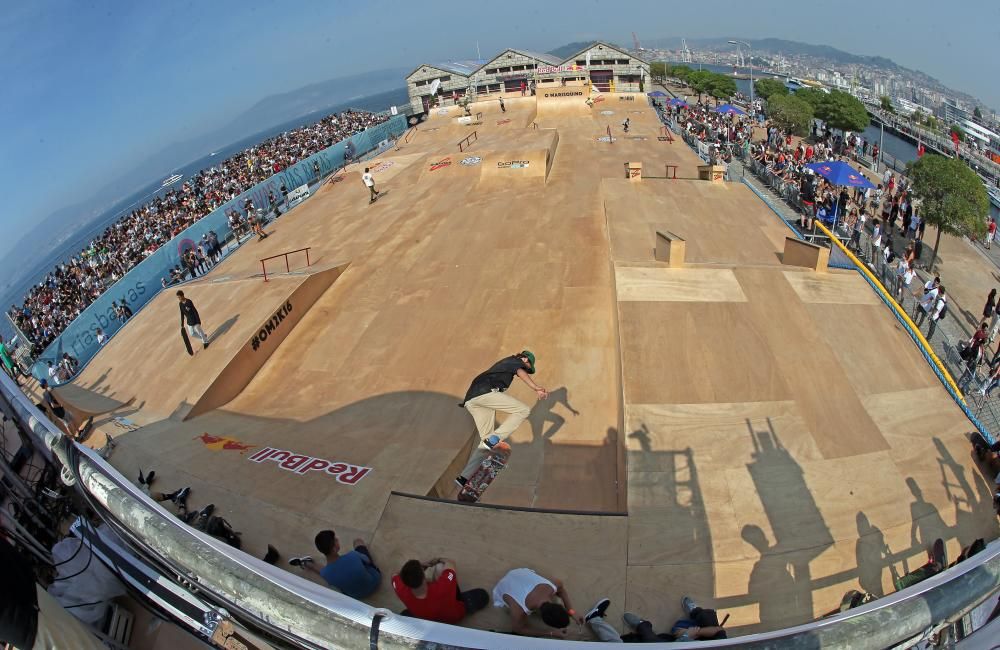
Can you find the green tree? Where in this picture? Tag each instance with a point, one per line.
(812, 95)
(767, 87)
(790, 113)
(843, 111)
(658, 69)
(721, 86)
(977, 113)
(886, 104)
(932, 123)
(700, 81)
(957, 130)
(680, 71)
(953, 199)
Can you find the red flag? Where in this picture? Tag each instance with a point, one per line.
(920, 150)
(954, 139)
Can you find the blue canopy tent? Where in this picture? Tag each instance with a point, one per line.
(729, 109)
(842, 175)
(677, 101)
(657, 93)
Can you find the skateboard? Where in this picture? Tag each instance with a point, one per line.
(496, 459)
(187, 341)
(936, 562)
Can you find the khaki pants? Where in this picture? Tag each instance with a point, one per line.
(484, 409)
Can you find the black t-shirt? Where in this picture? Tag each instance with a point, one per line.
(18, 599)
(189, 313)
(498, 377)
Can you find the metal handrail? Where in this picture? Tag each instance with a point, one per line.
(288, 269)
(468, 140)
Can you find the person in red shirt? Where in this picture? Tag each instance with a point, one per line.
(439, 597)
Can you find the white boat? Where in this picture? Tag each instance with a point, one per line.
(170, 181)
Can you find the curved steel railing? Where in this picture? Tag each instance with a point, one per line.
(305, 614)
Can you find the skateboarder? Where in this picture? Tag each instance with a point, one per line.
(486, 396)
(190, 314)
(503, 109)
(369, 182)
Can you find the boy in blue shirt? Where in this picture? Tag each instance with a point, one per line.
(354, 573)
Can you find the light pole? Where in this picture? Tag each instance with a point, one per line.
(750, 52)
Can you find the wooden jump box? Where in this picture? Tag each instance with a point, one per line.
(713, 173)
(801, 253)
(669, 249)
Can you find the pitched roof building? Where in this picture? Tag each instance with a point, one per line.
(605, 67)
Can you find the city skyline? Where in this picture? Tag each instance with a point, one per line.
(97, 91)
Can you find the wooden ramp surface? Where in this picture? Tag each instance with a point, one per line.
(773, 434)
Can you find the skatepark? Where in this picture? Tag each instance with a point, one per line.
(759, 435)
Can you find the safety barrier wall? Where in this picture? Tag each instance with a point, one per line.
(275, 602)
(142, 283)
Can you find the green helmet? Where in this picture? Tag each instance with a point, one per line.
(531, 358)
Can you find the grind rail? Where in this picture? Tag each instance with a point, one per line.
(288, 269)
(281, 605)
(467, 141)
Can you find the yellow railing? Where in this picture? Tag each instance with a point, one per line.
(900, 312)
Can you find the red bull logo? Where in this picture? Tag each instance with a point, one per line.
(440, 164)
(301, 464)
(224, 443)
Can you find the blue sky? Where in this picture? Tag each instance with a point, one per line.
(92, 88)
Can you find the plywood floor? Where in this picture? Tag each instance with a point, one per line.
(765, 428)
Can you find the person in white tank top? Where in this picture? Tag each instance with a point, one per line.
(522, 591)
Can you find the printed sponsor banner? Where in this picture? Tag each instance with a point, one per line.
(607, 112)
(445, 162)
(381, 166)
(302, 464)
(465, 119)
(471, 160)
(224, 443)
(502, 122)
(513, 164)
(562, 93)
(298, 195)
(605, 138)
(549, 69)
(272, 324)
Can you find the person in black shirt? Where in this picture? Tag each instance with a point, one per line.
(486, 396)
(190, 314)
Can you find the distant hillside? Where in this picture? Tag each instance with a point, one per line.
(572, 48)
(569, 49)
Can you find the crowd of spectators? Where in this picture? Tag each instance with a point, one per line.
(68, 289)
